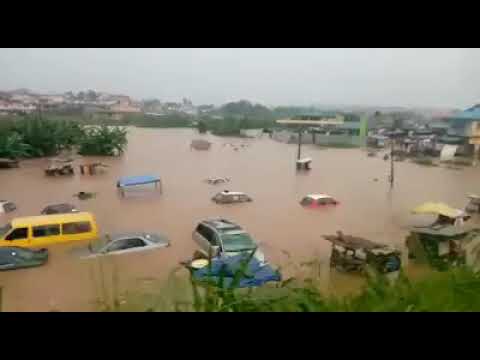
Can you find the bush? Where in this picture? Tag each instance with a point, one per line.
(12, 146)
(103, 140)
(455, 290)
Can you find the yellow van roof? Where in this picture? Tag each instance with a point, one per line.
(52, 219)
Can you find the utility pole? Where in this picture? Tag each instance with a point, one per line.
(392, 145)
(299, 143)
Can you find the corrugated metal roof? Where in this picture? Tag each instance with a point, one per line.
(473, 113)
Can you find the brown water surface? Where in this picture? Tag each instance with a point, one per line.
(264, 170)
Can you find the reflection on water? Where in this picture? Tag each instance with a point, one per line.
(265, 170)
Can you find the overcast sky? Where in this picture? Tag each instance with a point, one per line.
(382, 77)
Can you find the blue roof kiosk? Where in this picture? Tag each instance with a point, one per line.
(127, 181)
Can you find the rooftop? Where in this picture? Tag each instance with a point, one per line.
(319, 196)
(222, 224)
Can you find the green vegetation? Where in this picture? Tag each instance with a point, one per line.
(103, 140)
(231, 126)
(455, 290)
(202, 127)
(35, 137)
(12, 146)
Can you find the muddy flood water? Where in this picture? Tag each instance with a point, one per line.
(264, 169)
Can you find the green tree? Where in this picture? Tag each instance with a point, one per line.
(12, 146)
(103, 140)
(202, 127)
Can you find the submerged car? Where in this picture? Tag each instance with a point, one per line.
(217, 237)
(217, 180)
(59, 209)
(12, 257)
(317, 200)
(125, 243)
(231, 197)
(7, 206)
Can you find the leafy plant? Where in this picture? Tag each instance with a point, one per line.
(103, 140)
(12, 146)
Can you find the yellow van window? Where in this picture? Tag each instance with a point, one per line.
(18, 234)
(76, 227)
(46, 230)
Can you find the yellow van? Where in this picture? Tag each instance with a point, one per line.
(45, 230)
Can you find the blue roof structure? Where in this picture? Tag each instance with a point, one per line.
(473, 114)
(137, 180)
(460, 122)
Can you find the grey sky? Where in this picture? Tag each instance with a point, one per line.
(383, 77)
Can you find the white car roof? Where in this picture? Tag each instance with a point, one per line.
(319, 196)
(304, 160)
(232, 193)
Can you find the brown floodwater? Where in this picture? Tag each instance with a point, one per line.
(264, 169)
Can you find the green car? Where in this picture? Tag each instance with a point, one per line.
(12, 257)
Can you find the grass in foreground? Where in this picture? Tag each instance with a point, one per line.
(454, 290)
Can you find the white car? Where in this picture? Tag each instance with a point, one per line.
(231, 197)
(6, 206)
(124, 244)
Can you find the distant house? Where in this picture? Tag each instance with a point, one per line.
(326, 128)
(9, 107)
(464, 128)
(118, 106)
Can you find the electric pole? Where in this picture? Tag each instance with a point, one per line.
(299, 143)
(392, 144)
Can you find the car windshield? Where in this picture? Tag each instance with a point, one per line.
(98, 245)
(237, 242)
(5, 229)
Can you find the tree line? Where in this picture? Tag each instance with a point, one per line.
(37, 137)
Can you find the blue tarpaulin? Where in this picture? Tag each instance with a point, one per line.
(256, 273)
(137, 180)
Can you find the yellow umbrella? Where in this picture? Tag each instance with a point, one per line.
(437, 209)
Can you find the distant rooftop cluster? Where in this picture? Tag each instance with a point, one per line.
(25, 101)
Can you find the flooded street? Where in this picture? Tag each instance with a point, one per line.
(264, 170)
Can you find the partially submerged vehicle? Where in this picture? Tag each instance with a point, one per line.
(125, 243)
(354, 254)
(136, 181)
(318, 200)
(84, 195)
(12, 257)
(59, 209)
(473, 205)
(231, 197)
(445, 246)
(217, 180)
(8, 163)
(200, 144)
(304, 164)
(46, 230)
(223, 237)
(60, 167)
(7, 206)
